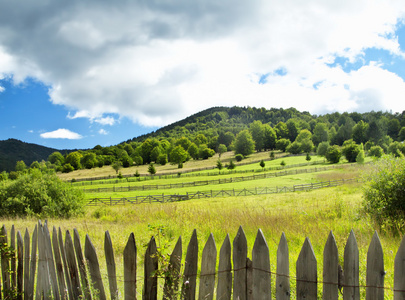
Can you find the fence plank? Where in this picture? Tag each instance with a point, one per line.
(43, 288)
(110, 261)
(33, 264)
(13, 275)
(58, 265)
(224, 288)
(239, 265)
(208, 264)
(283, 270)
(399, 272)
(20, 267)
(81, 265)
(351, 288)
(72, 266)
(150, 268)
(190, 268)
(65, 265)
(261, 277)
(306, 272)
(94, 268)
(171, 286)
(130, 268)
(375, 270)
(330, 269)
(26, 263)
(51, 264)
(5, 265)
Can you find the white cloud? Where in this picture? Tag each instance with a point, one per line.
(61, 133)
(156, 63)
(103, 132)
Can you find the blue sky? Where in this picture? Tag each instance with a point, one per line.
(77, 76)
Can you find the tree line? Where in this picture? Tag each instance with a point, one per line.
(245, 130)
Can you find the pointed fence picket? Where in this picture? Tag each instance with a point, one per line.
(61, 271)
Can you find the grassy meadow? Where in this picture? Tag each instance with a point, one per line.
(311, 214)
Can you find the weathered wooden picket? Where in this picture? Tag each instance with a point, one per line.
(59, 270)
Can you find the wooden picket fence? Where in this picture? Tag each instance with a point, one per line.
(59, 270)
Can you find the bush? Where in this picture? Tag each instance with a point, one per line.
(333, 154)
(376, 151)
(351, 150)
(40, 195)
(231, 165)
(238, 157)
(384, 197)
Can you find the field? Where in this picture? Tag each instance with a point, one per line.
(311, 214)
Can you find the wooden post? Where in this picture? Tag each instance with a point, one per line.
(94, 268)
(239, 265)
(130, 268)
(171, 286)
(72, 266)
(207, 275)
(375, 270)
(20, 267)
(283, 270)
(150, 267)
(399, 272)
(330, 269)
(190, 269)
(351, 288)
(110, 262)
(261, 279)
(306, 273)
(224, 288)
(26, 263)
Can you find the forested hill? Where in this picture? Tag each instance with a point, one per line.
(215, 119)
(219, 129)
(13, 150)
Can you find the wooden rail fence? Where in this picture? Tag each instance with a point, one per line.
(163, 198)
(129, 188)
(57, 269)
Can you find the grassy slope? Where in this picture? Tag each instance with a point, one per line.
(306, 214)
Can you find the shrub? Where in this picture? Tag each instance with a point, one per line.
(351, 150)
(384, 197)
(231, 165)
(376, 151)
(333, 154)
(238, 157)
(40, 195)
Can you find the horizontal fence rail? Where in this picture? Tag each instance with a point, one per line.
(149, 187)
(184, 173)
(38, 266)
(164, 198)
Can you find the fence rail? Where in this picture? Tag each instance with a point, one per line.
(172, 174)
(163, 198)
(149, 187)
(58, 269)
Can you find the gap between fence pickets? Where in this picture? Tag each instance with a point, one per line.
(62, 272)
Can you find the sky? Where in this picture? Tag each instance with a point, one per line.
(76, 74)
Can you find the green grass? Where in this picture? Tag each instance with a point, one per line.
(299, 215)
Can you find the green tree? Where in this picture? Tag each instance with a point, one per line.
(20, 166)
(281, 130)
(89, 160)
(56, 158)
(359, 133)
(204, 152)
(257, 132)
(360, 157)
(322, 148)
(376, 151)
(117, 165)
(333, 154)
(262, 164)
(231, 165)
(384, 197)
(351, 150)
(282, 144)
(74, 159)
(401, 135)
(151, 169)
(244, 143)
(374, 132)
(162, 159)
(393, 128)
(293, 129)
(308, 157)
(178, 155)
(219, 165)
(307, 146)
(294, 148)
(304, 134)
(193, 151)
(200, 139)
(183, 142)
(320, 133)
(40, 195)
(221, 149)
(270, 137)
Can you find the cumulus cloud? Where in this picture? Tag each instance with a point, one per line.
(156, 62)
(61, 133)
(103, 132)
